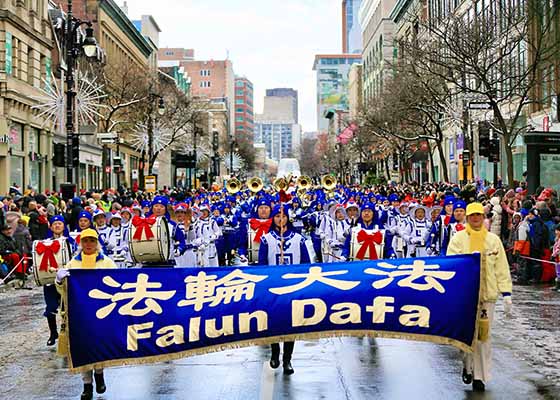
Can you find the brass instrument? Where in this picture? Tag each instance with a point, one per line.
(233, 186)
(281, 184)
(304, 183)
(255, 184)
(328, 182)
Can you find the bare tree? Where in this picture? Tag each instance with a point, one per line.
(500, 54)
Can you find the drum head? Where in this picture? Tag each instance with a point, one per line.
(165, 240)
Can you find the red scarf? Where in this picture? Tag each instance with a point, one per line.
(260, 227)
(143, 225)
(368, 241)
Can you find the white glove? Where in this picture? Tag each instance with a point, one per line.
(213, 237)
(322, 236)
(342, 258)
(508, 305)
(197, 242)
(429, 251)
(61, 274)
(243, 259)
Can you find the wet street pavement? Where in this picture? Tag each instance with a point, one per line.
(526, 363)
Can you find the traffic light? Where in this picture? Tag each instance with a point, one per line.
(59, 157)
(484, 129)
(494, 149)
(215, 141)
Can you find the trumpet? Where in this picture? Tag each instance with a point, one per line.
(255, 184)
(328, 182)
(303, 183)
(233, 186)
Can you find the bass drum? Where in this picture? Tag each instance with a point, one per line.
(45, 266)
(153, 250)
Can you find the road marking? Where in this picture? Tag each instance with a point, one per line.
(268, 377)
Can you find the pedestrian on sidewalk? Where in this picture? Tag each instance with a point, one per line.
(495, 279)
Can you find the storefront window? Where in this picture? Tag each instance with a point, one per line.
(83, 176)
(16, 136)
(34, 164)
(16, 170)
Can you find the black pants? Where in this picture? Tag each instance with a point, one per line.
(288, 350)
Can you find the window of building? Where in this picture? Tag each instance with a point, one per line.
(239, 110)
(238, 101)
(239, 119)
(239, 128)
(30, 66)
(239, 84)
(169, 53)
(240, 93)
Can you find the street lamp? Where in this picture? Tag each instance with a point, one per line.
(233, 147)
(74, 48)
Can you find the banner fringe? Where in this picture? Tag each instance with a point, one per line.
(268, 340)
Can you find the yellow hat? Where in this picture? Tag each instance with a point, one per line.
(475, 208)
(88, 233)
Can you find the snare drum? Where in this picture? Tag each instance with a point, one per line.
(48, 256)
(152, 241)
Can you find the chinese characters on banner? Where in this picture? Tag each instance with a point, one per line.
(150, 315)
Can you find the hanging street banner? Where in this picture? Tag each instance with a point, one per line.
(135, 316)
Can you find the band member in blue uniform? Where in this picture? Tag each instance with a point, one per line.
(435, 239)
(250, 234)
(457, 224)
(57, 230)
(282, 246)
(159, 209)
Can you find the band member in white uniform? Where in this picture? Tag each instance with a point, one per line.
(100, 225)
(159, 209)
(184, 219)
(207, 232)
(117, 243)
(416, 232)
(399, 223)
(252, 232)
(336, 232)
(282, 246)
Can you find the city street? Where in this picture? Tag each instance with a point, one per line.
(526, 359)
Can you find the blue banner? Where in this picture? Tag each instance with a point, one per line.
(133, 316)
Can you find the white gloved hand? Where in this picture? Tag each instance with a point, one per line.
(197, 242)
(61, 274)
(243, 259)
(508, 305)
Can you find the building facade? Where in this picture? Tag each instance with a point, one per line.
(281, 138)
(355, 91)
(351, 32)
(213, 79)
(379, 52)
(174, 55)
(286, 92)
(244, 115)
(332, 85)
(26, 139)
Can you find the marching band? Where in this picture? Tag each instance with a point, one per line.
(291, 222)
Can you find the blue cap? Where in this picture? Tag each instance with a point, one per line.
(393, 197)
(276, 210)
(76, 201)
(367, 206)
(460, 204)
(57, 218)
(164, 201)
(145, 204)
(524, 212)
(448, 200)
(84, 214)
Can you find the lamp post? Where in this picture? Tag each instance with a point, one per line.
(232, 147)
(74, 48)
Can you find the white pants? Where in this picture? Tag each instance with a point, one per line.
(479, 363)
(188, 259)
(87, 377)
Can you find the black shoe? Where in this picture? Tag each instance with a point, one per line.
(467, 378)
(51, 319)
(88, 392)
(288, 370)
(100, 383)
(52, 339)
(478, 386)
(274, 362)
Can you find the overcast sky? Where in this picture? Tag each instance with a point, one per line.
(271, 42)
